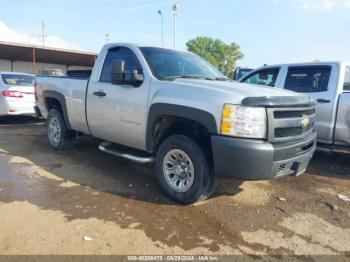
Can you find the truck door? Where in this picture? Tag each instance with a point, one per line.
(319, 82)
(117, 113)
(342, 129)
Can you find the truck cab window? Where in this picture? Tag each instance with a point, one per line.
(308, 79)
(347, 79)
(265, 77)
(119, 53)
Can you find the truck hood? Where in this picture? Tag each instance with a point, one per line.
(236, 89)
(210, 96)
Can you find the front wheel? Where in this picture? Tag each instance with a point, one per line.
(182, 170)
(59, 136)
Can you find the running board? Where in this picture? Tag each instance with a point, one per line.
(107, 148)
(327, 150)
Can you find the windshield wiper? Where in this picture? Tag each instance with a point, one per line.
(222, 79)
(188, 77)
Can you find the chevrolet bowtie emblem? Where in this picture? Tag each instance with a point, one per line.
(305, 122)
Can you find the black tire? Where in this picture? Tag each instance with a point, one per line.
(209, 187)
(202, 183)
(66, 137)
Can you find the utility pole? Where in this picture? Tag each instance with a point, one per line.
(43, 33)
(107, 37)
(160, 12)
(176, 10)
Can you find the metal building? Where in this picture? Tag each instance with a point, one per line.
(31, 59)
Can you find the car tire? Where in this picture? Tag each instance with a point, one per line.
(59, 136)
(183, 171)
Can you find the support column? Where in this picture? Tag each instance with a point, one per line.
(34, 62)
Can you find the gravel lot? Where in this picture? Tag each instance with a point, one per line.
(50, 201)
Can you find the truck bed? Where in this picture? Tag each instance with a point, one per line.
(74, 90)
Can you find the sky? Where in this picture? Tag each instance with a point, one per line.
(268, 31)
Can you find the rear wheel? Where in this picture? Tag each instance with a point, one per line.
(183, 171)
(59, 136)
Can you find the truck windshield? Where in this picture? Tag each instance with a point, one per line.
(18, 80)
(347, 79)
(167, 64)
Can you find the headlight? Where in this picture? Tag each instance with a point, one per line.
(241, 121)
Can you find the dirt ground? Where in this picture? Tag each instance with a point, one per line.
(50, 201)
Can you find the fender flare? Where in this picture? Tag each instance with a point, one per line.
(58, 96)
(159, 110)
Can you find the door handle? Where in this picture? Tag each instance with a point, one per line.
(99, 93)
(323, 101)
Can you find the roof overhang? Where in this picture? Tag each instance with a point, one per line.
(22, 52)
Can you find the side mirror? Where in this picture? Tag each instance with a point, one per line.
(135, 77)
(120, 76)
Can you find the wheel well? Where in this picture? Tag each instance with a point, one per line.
(53, 103)
(171, 125)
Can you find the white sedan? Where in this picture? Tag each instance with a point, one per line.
(16, 94)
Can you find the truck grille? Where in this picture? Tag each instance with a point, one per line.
(290, 123)
(293, 114)
(290, 131)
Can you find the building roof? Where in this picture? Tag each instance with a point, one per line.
(23, 52)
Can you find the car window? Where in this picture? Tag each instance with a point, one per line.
(265, 77)
(242, 72)
(119, 53)
(18, 80)
(347, 79)
(308, 79)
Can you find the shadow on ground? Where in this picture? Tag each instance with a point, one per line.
(18, 120)
(332, 164)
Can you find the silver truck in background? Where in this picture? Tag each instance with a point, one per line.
(240, 72)
(328, 83)
(174, 108)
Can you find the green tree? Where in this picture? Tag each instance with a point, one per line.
(221, 55)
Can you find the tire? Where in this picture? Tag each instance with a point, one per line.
(209, 187)
(59, 136)
(183, 171)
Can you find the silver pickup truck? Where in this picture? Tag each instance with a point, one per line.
(172, 107)
(328, 83)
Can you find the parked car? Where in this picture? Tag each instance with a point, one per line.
(16, 94)
(174, 108)
(240, 72)
(328, 83)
